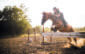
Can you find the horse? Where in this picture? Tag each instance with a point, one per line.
(57, 22)
(58, 25)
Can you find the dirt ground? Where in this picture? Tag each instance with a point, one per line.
(21, 45)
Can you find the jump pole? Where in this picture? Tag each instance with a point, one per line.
(51, 39)
(43, 36)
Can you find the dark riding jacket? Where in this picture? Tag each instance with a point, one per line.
(62, 18)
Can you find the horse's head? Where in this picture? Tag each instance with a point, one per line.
(45, 17)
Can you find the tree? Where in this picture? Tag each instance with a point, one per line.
(13, 21)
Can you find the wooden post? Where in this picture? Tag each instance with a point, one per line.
(34, 35)
(43, 36)
(43, 28)
(28, 36)
(50, 39)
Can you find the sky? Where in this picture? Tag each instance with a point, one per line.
(73, 10)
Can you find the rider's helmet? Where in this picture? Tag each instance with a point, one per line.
(56, 10)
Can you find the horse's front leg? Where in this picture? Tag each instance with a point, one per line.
(54, 29)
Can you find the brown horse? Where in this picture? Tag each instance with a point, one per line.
(58, 24)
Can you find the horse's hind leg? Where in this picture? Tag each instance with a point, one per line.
(75, 39)
(69, 43)
(72, 41)
(69, 39)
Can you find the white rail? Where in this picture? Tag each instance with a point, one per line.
(65, 34)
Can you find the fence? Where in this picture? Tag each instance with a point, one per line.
(63, 34)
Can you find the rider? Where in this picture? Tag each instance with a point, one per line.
(58, 14)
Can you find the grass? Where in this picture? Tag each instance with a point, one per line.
(31, 35)
(17, 45)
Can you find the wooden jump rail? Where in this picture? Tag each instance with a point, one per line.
(62, 34)
(65, 34)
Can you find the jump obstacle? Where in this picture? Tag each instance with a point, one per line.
(58, 34)
(62, 34)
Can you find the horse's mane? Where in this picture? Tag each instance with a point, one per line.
(47, 13)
